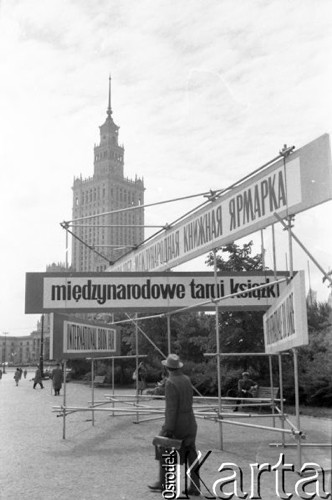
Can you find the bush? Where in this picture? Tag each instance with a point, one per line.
(289, 394)
(322, 397)
(204, 377)
(79, 368)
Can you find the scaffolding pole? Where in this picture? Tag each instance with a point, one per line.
(221, 444)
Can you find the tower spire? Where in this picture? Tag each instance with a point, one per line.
(109, 109)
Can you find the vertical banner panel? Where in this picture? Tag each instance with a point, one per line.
(285, 323)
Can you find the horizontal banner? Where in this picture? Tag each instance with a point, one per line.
(74, 292)
(71, 338)
(304, 182)
(285, 323)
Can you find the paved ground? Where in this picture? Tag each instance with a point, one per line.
(114, 459)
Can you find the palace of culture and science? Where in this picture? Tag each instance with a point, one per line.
(110, 235)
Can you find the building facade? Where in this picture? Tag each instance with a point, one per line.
(101, 238)
(17, 351)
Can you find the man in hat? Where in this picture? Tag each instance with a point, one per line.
(245, 388)
(180, 422)
(57, 379)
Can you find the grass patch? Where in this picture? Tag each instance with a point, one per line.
(310, 411)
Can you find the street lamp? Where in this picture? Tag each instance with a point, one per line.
(5, 352)
(41, 362)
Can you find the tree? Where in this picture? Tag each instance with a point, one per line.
(239, 259)
(315, 360)
(319, 316)
(240, 331)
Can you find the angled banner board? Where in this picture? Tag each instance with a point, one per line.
(158, 292)
(304, 182)
(71, 338)
(285, 323)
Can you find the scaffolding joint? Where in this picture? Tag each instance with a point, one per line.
(211, 196)
(298, 434)
(290, 220)
(64, 224)
(327, 276)
(286, 150)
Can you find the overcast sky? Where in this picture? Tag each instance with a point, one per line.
(204, 92)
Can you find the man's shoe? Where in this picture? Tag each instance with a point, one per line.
(156, 486)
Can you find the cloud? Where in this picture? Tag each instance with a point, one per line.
(203, 92)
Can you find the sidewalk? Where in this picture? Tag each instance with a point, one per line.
(115, 459)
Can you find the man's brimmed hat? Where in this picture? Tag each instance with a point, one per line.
(245, 373)
(172, 362)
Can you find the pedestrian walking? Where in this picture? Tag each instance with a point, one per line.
(180, 424)
(38, 378)
(17, 376)
(140, 376)
(0, 374)
(25, 373)
(57, 379)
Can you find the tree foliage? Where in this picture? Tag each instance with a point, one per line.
(239, 258)
(315, 359)
(193, 334)
(240, 331)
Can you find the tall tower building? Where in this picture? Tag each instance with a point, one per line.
(110, 235)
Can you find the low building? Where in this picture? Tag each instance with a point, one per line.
(25, 350)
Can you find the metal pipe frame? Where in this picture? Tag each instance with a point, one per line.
(243, 424)
(218, 353)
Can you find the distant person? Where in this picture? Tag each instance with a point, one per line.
(21, 373)
(25, 373)
(57, 379)
(17, 376)
(0, 374)
(140, 377)
(245, 388)
(142, 372)
(38, 378)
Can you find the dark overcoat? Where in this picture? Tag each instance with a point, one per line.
(179, 415)
(38, 376)
(57, 378)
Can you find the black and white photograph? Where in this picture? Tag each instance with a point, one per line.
(166, 201)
